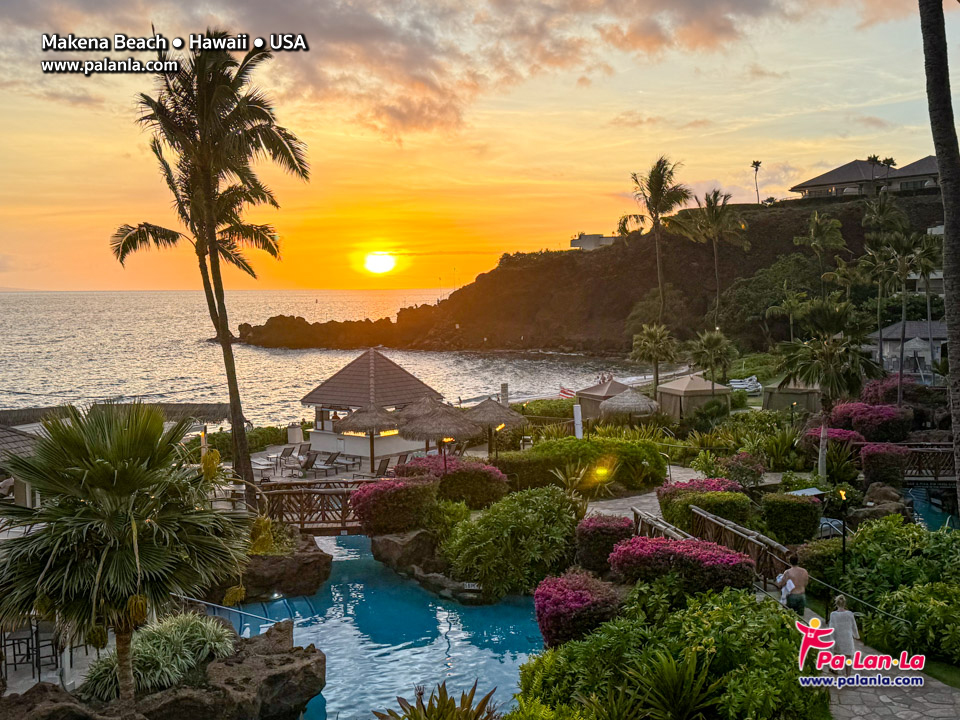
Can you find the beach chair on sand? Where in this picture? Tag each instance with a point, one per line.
(380, 472)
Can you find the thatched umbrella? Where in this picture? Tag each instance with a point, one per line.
(629, 402)
(423, 406)
(491, 414)
(371, 420)
(442, 422)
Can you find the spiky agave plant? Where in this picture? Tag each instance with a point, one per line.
(443, 706)
(121, 524)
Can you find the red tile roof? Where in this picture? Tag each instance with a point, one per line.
(370, 379)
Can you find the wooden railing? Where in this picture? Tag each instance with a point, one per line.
(318, 508)
(930, 461)
(770, 556)
(650, 525)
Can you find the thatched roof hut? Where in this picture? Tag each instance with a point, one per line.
(370, 420)
(490, 413)
(629, 402)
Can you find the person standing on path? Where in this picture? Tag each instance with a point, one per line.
(797, 599)
(844, 624)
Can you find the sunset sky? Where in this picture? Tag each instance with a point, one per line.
(448, 133)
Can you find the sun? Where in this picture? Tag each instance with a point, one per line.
(379, 262)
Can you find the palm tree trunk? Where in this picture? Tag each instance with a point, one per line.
(903, 340)
(656, 244)
(716, 276)
(756, 184)
(879, 325)
(656, 377)
(823, 289)
(822, 454)
(948, 159)
(125, 682)
(238, 429)
(926, 291)
(790, 317)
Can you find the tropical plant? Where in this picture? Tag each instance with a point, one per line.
(882, 216)
(791, 306)
(712, 351)
(929, 257)
(163, 653)
(658, 195)
(903, 250)
(791, 519)
(122, 524)
(209, 124)
(677, 690)
(706, 463)
(847, 275)
(578, 481)
(873, 161)
(443, 706)
(823, 236)
(654, 344)
(713, 221)
(832, 359)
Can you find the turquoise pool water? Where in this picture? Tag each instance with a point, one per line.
(383, 634)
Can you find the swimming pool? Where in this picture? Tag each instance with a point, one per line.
(383, 634)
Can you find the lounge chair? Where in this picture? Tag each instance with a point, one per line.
(345, 464)
(310, 465)
(380, 472)
(262, 465)
(303, 449)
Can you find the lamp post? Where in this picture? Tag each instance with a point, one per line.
(843, 520)
(793, 407)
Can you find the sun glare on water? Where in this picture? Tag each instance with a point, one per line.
(379, 262)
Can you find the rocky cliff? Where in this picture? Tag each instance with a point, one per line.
(572, 300)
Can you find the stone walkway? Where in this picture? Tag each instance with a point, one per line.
(933, 700)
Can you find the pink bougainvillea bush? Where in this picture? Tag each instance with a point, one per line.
(571, 606)
(884, 390)
(597, 535)
(743, 468)
(834, 435)
(884, 463)
(701, 565)
(390, 506)
(469, 481)
(877, 423)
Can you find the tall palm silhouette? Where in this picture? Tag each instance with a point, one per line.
(944, 130)
(713, 221)
(874, 160)
(792, 306)
(658, 194)
(883, 217)
(209, 125)
(654, 344)
(756, 182)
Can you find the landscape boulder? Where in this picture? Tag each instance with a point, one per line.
(403, 551)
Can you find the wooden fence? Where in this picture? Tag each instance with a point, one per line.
(317, 508)
(770, 556)
(650, 525)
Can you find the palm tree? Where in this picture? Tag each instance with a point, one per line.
(882, 216)
(874, 160)
(214, 124)
(654, 344)
(714, 221)
(792, 306)
(903, 249)
(944, 130)
(756, 183)
(889, 163)
(832, 359)
(929, 259)
(712, 351)
(121, 524)
(877, 265)
(846, 275)
(823, 236)
(658, 194)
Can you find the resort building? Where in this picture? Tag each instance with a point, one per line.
(864, 178)
(916, 354)
(591, 242)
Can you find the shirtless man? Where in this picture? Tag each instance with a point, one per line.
(797, 599)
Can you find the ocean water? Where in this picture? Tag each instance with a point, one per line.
(86, 346)
(383, 634)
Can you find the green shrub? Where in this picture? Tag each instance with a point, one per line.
(841, 463)
(443, 706)
(732, 506)
(821, 558)
(515, 543)
(547, 407)
(164, 653)
(931, 609)
(738, 399)
(526, 470)
(791, 519)
(533, 709)
(259, 439)
(639, 465)
(443, 517)
(706, 463)
(475, 484)
(752, 646)
(781, 450)
(743, 468)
